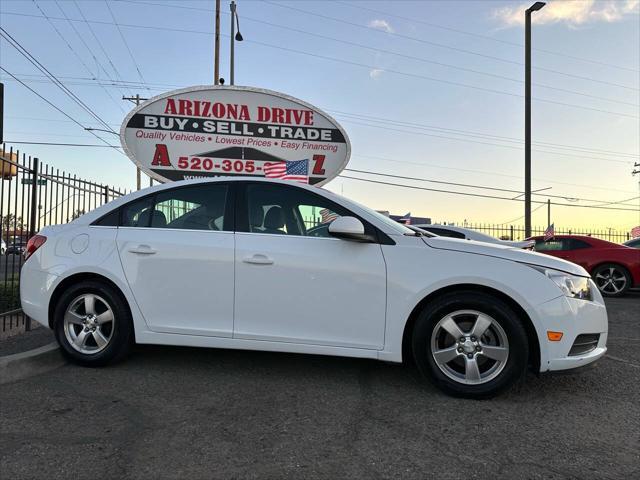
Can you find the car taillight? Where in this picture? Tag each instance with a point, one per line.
(34, 244)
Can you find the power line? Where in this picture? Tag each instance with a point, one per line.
(428, 42)
(466, 133)
(58, 109)
(84, 20)
(126, 44)
(62, 144)
(486, 37)
(77, 55)
(398, 54)
(369, 67)
(481, 195)
(485, 172)
(89, 49)
(483, 187)
(385, 127)
(25, 53)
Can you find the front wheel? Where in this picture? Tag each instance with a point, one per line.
(92, 324)
(612, 280)
(470, 344)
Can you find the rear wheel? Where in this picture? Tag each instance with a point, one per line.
(92, 324)
(470, 344)
(612, 280)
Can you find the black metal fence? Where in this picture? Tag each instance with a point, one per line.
(34, 194)
(517, 232)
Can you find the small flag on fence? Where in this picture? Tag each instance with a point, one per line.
(549, 233)
(297, 170)
(635, 232)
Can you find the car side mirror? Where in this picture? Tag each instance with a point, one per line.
(349, 228)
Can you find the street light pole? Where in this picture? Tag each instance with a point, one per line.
(527, 116)
(216, 52)
(234, 36)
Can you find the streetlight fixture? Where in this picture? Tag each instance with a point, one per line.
(527, 116)
(235, 22)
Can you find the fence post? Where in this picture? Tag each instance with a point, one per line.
(34, 198)
(511, 232)
(106, 194)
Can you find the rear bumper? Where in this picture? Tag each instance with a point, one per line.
(573, 317)
(36, 287)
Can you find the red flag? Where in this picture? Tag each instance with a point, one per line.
(549, 233)
(635, 232)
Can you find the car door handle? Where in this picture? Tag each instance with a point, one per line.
(142, 250)
(258, 259)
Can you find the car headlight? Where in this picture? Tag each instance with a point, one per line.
(572, 286)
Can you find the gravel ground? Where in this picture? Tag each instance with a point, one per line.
(190, 413)
(37, 337)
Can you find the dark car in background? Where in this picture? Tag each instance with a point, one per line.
(633, 243)
(16, 246)
(614, 268)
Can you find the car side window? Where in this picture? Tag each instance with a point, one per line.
(198, 207)
(575, 244)
(551, 245)
(284, 210)
(136, 213)
(442, 232)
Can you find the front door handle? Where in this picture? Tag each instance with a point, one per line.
(142, 250)
(258, 259)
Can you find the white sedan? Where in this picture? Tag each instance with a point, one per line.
(270, 265)
(459, 232)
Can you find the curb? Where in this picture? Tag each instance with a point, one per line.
(32, 362)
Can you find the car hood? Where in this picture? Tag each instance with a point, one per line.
(505, 252)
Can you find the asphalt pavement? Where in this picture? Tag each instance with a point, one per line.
(205, 414)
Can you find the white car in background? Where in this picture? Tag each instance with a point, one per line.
(241, 263)
(469, 234)
(3, 247)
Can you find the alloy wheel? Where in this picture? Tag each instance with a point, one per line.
(611, 280)
(470, 347)
(89, 324)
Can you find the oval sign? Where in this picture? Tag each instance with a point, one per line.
(212, 131)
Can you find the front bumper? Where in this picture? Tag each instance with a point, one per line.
(572, 317)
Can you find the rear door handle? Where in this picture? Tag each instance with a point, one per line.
(142, 250)
(258, 259)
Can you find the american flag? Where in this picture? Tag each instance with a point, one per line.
(406, 219)
(297, 170)
(549, 233)
(327, 215)
(635, 232)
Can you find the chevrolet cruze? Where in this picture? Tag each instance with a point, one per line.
(271, 265)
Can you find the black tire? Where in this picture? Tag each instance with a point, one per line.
(121, 334)
(609, 290)
(506, 374)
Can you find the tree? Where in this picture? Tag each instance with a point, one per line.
(12, 222)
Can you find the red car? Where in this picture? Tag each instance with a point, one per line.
(614, 268)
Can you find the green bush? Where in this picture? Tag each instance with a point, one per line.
(9, 295)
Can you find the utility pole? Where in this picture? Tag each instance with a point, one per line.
(636, 171)
(548, 212)
(527, 116)
(216, 54)
(137, 99)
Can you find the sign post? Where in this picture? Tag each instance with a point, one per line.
(212, 131)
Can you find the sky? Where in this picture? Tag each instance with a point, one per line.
(431, 90)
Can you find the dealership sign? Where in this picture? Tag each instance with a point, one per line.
(212, 131)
